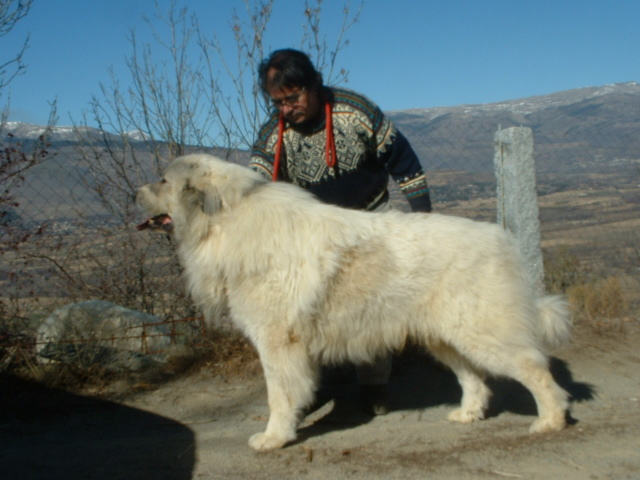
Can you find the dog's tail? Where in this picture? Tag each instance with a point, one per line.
(555, 320)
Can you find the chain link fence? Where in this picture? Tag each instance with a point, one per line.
(67, 244)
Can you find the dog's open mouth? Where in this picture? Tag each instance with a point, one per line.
(159, 222)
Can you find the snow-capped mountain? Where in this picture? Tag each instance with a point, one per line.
(582, 137)
(29, 132)
(551, 104)
(529, 105)
(578, 125)
(581, 125)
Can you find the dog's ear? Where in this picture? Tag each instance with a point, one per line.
(225, 191)
(206, 199)
(211, 200)
(219, 184)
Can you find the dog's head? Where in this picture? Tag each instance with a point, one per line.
(194, 187)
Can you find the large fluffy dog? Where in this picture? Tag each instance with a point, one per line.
(310, 284)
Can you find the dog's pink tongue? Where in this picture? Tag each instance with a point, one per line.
(162, 221)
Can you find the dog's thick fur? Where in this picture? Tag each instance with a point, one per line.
(310, 284)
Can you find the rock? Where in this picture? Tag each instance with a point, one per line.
(99, 332)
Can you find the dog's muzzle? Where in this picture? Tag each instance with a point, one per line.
(159, 222)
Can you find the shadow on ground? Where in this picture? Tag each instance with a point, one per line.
(52, 434)
(419, 382)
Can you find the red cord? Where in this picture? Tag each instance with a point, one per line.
(330, 149)
(276, 162)
(330, 156)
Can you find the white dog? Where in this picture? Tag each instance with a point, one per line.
(311, 284)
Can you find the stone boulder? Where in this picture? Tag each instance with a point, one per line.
(99, 332)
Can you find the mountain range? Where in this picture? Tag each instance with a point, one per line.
(581, 117)
(571, 129)
(604, 120)
(576, 133)
(28, 132)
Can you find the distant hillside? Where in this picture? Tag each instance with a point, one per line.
(602, 120)
(583, 127)
(577, 133)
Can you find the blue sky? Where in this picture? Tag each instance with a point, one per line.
(402, 54)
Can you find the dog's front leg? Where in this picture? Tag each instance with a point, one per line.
(291, 378)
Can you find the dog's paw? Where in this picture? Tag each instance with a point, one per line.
(549, 424)
(263, 442)
(461, 415)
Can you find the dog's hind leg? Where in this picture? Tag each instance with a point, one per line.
(530, 367)
(551, 400)
(475, 393)
(291, 383)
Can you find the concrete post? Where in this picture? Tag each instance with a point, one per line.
(517, 198)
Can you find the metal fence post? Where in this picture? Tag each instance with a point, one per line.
(517, 198)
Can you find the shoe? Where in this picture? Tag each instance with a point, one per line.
(374, 399)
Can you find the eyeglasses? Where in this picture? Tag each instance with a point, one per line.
(289, 101)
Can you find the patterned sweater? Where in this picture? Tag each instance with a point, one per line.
(369, 150)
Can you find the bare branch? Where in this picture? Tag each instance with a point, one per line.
(185, 92)
(16, 157)
(11, 12)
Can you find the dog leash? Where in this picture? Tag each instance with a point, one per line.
(331, 158)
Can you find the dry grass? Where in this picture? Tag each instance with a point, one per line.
(601, 304)
(220, 352)
(598, 302)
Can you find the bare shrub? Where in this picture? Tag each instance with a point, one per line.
(176, 105)
(562, 269)
(601, 303)
(17, 343)
(222, 352)
(597, 302)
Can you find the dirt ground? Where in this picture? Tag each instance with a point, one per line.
(197, 427)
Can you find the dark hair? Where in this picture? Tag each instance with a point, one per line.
(293, 69)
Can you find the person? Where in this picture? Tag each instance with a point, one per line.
(340, 146)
